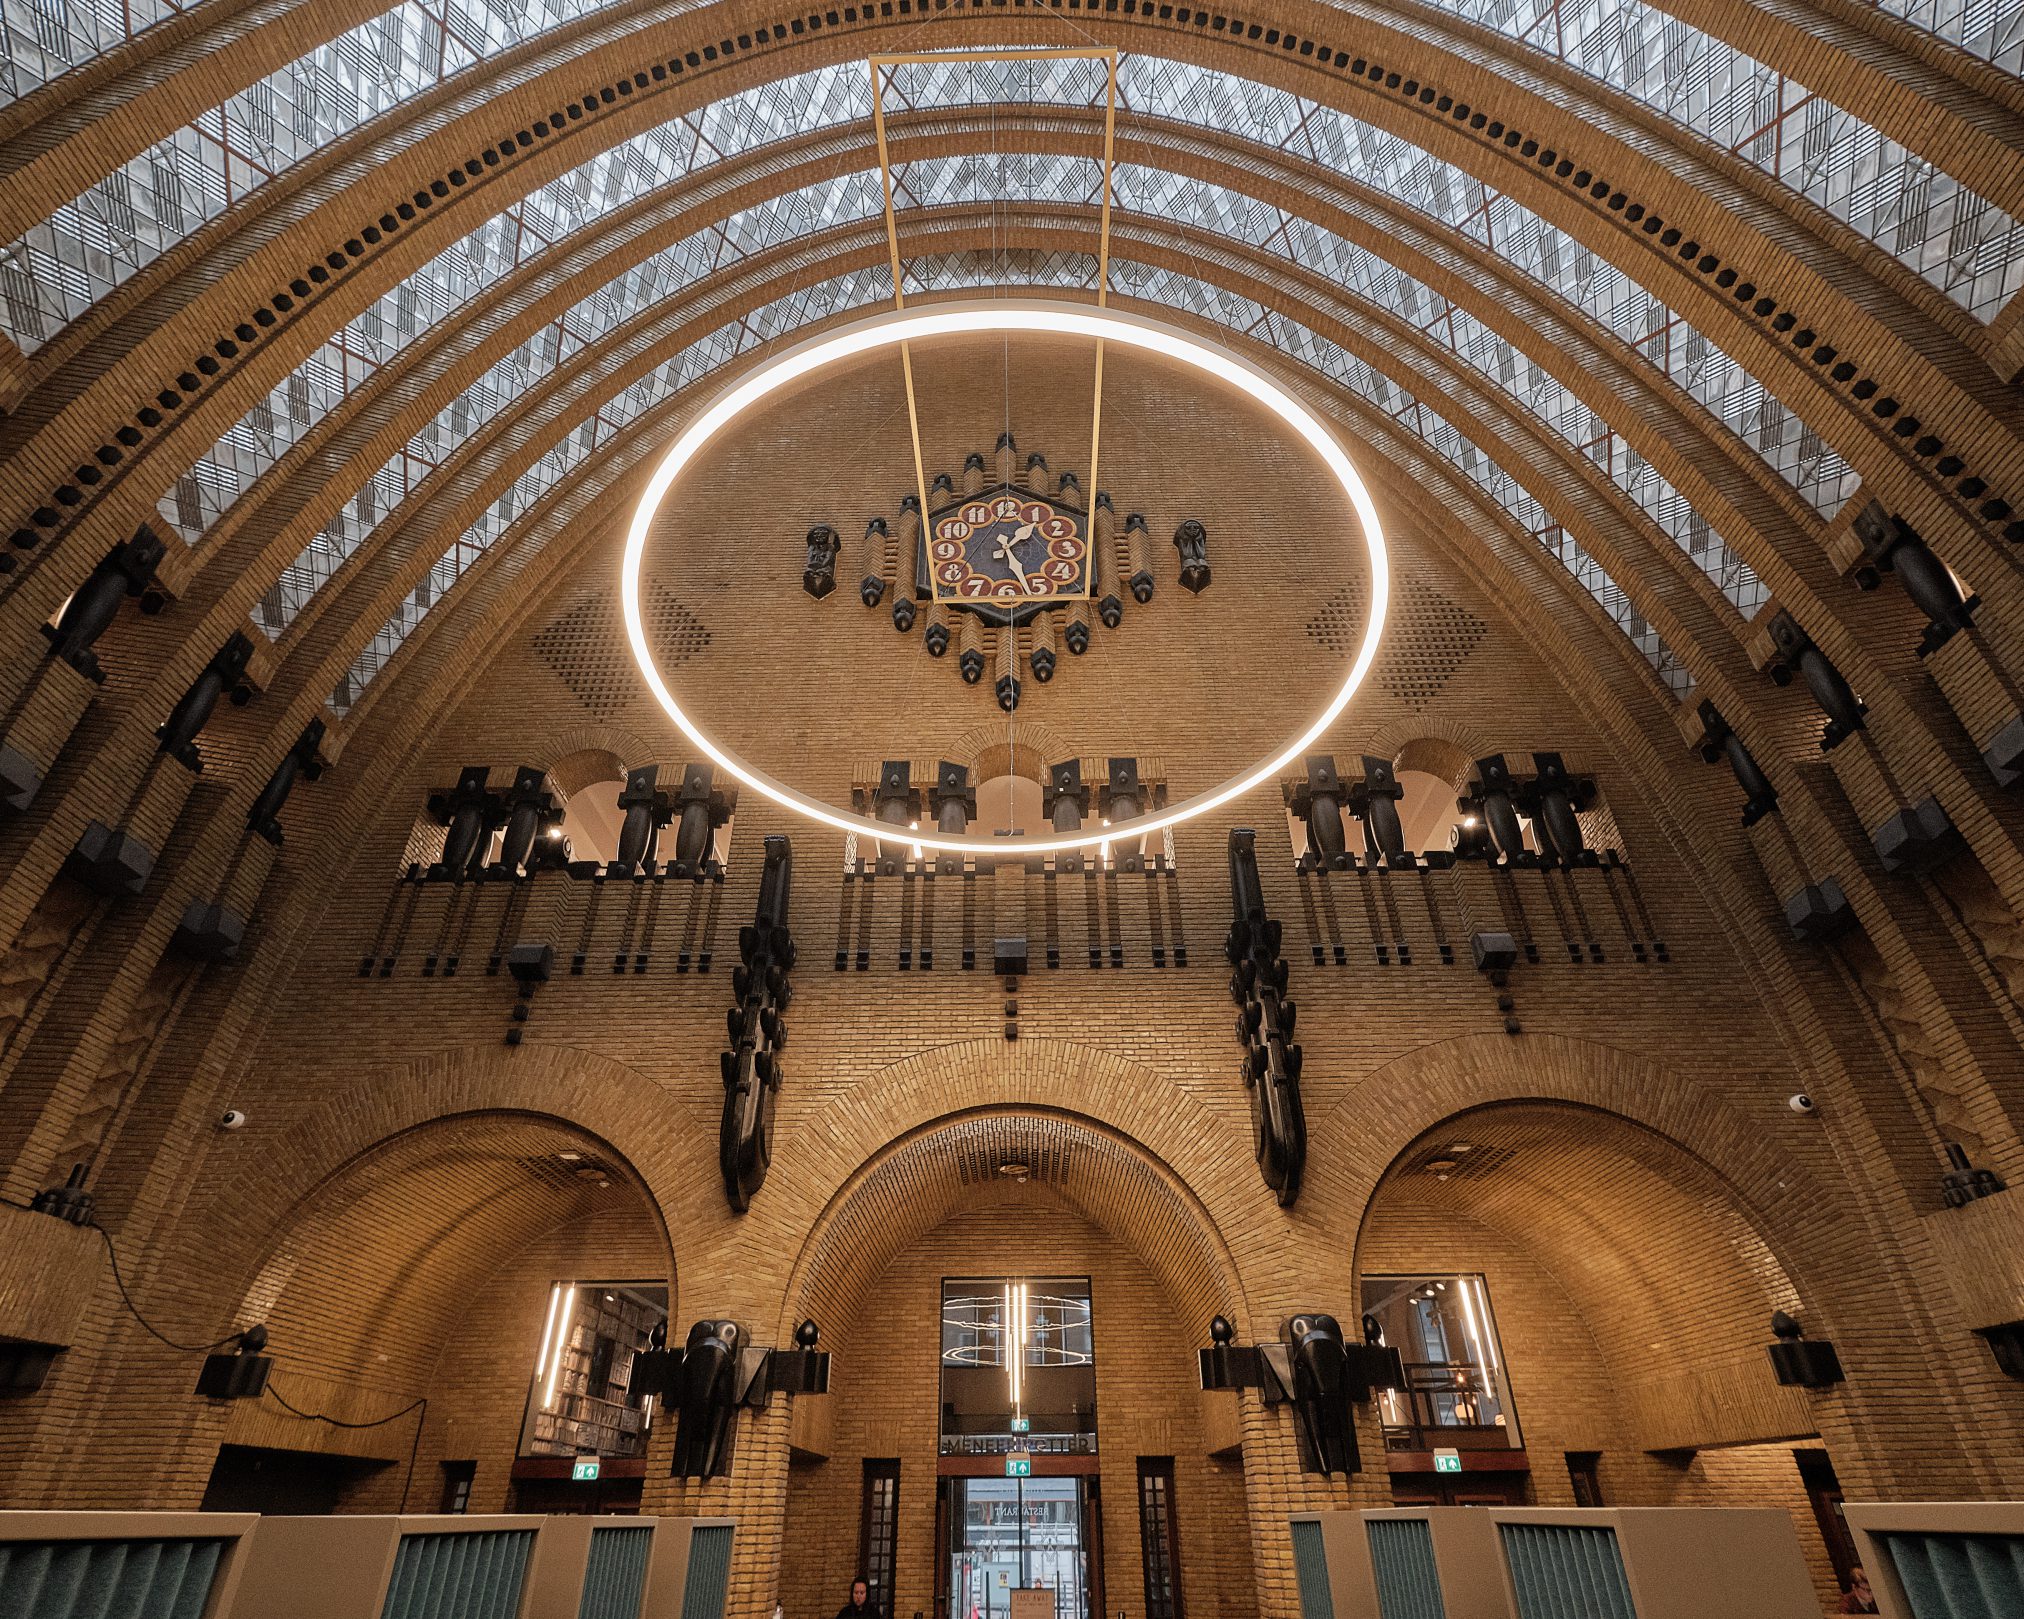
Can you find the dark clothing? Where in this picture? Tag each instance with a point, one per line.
(850, 1610)
(1852, 1603)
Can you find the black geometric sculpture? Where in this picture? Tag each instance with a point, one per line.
(1141, 582)
(1318, 802)
(1893, 546)
(1064, 799)
(758, 1030)
(1798, 1362)
(1313, 1370)
(1265, 1020)
(712, 1376)
(1110, 606)
(530, 810)
(1554, 798)
(126, 570)
(1375, 802)
(896, 803)
(701, 809)
(1191, 539)
(905, 608)
(871, 588)
(193, 712)
(647, 809)
(953, 803)
(471, 811)
(1797, 655)
(1121, 801)
(1719, 741)
(818, 573)
(1492, 794)
(264, 818)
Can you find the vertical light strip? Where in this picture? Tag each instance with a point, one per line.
(1469, 1315)
(1005, 1348)
(548, 1331)
(1489, 1327)
(561, 1343)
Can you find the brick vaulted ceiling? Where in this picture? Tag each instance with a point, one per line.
(1629, 308)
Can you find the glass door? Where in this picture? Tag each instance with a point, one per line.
(1009, 1534)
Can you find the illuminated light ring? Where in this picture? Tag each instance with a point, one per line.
(1030, 317)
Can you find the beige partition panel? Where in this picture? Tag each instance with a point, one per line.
(1868, 1521)
(1468, 1563)
(1677, 1563)
(1687, 1562)
(668, 1569)
(340, 1567)
(111, 1529)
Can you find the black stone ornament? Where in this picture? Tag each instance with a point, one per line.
(126, 570)
(1265, 1022)
(818, 573)
(178, 733)
(1191, 539)
(758, 1031)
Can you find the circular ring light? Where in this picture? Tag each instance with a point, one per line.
(1030, 317)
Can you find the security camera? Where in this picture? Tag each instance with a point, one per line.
(236, 1120)
(1800, 1102)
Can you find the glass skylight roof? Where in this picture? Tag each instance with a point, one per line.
(1956, 239)
(664, 154)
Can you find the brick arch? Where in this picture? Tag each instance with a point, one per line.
(991, 754)
(920, 1179)
(1133, 1109)
(586, 767)
(1776, 1173)
(595, 1098)
(1439, 744)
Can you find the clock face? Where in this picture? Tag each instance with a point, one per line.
(1006, 548)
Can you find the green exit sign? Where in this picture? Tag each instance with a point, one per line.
(1019, 1465)
(1447, 1461)
(1022, 1424)
(583, 1469)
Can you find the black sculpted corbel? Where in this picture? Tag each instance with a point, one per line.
(758, 1031)
(1265, 1020)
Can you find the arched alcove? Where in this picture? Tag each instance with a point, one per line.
(977, 1201)
(1527, 1258)
(417, 1297)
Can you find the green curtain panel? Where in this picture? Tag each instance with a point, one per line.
(1310, 1568)
(615, 1579)
(1959, 1576)
(107, 1579)
(459, 1576)
(1402, 1559)
(1561, 1571)
(709, 1572)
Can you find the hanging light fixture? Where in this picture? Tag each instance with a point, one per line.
(1032, 317)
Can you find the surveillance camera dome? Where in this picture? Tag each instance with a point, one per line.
(1800, 1102)
(234, 1119)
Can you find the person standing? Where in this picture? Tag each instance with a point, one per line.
(860, 1605)
(1860, 1599)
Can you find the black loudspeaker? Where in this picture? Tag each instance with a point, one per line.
(1806, 1365)
(234, 1377)
(2006, 1343)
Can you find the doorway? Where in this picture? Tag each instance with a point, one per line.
(1010, 1534)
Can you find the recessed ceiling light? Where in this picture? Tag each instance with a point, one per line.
(1014, 1170)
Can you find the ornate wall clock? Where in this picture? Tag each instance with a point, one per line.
(1008, 568)
(1010, 548)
